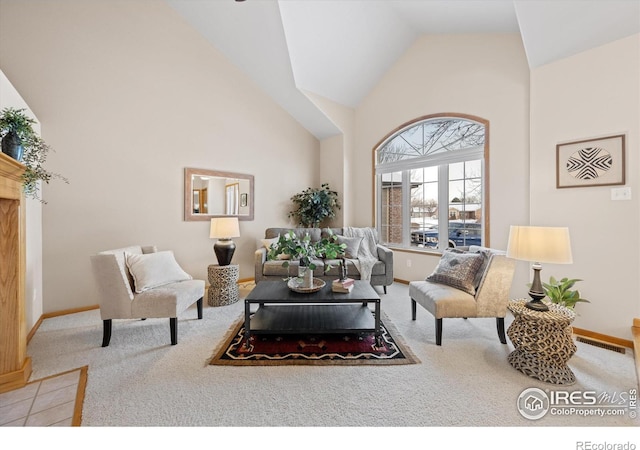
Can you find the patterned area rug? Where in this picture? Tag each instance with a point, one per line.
(316, 349)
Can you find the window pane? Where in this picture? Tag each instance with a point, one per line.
(473, 169)
(424, 207)
(473, 192)
(456, 192)
(456, 171)
(431, 137)
(465, 204)
(431, 173)
(391, 208)
(464, 233)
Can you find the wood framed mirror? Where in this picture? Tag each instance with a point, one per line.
(212, 193)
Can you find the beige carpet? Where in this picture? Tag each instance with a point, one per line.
(140, 380)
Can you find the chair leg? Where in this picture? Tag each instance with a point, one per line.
(106, 332)
(173, 326)
(438, 331)
(385, 289)
(413, 309)
(199, 305)
(500, 325)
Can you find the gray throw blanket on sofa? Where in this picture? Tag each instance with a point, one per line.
(368, 251)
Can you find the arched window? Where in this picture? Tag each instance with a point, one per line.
(431, 179)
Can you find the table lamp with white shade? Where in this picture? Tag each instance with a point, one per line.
(224, 229)
(539, 245)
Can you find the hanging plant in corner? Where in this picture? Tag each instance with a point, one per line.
(314, 205)
(21, 143)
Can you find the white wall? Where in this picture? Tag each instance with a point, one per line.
(337, 156)
(128, 96)
(595, 93)
(10, 98)
(482, 75)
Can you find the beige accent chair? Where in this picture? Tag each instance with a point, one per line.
(119, 300)
(490, 300)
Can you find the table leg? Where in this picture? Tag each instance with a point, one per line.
(377, 319)
(247, 323)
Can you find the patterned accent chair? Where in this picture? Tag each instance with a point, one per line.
(169, 291)
(487, 293)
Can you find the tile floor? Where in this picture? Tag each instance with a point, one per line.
(41, 403)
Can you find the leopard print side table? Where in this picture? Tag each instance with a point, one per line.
(224, 284)
(543, 342)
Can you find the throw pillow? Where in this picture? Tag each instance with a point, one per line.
(458, 270)
(152, 270)
(269, 242)
(486, 254)
(352, 245)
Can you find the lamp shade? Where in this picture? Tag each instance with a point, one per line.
(224, 228)
(540, 244)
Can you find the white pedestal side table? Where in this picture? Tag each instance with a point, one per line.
(543, 342)
(224, 284)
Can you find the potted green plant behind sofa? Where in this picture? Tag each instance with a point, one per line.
(23, 144)
(314, 205)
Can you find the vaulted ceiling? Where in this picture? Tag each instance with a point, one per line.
(339, 49)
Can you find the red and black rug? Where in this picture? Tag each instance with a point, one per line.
(313, 349)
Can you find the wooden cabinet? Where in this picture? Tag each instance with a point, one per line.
(15, 366)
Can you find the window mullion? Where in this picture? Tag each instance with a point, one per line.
(431, 160)
(406, 207)
(443, 207)
(378, 204)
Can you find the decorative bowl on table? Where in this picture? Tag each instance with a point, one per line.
(295, 284)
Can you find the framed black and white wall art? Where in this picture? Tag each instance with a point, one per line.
(591, 162)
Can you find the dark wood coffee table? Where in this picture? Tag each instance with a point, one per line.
(282, 310)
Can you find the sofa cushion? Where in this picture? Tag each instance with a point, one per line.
(458, 270)
(442, 300)
(275, 268)
(352, 245)
(154, 269)
(167, 301)
(352, 271)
